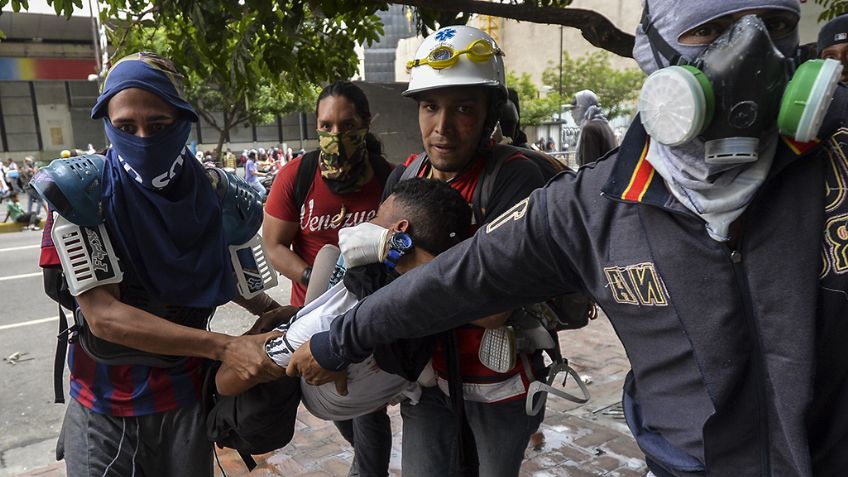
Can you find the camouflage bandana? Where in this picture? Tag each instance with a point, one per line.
(342, 159)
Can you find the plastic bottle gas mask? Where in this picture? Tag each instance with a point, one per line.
(736, 91)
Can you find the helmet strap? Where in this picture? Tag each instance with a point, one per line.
(659, 46)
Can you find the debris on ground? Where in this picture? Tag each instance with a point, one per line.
(17, 357)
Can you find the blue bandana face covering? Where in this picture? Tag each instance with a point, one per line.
(154, 162)
(159, 205)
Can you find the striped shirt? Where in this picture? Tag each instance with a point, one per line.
(125, 390)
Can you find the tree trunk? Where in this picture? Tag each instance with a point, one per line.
(595, 28)
(221, 137)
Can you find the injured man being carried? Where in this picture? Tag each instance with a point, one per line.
(419, 220)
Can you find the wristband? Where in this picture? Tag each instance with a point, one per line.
(306, 275)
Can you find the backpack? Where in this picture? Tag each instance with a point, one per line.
(256, 421)
(306, 175)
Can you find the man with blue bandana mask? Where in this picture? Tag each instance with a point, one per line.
(714, 239)
(158, 236)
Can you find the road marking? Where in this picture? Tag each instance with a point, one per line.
(28, 323)
(25, 247)
(25, 275)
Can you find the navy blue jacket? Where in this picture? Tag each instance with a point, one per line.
(739, 356)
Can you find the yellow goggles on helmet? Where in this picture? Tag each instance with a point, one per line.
(443, 56)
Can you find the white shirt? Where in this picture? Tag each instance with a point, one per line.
(369, 388)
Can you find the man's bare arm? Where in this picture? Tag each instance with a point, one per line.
(112, 320)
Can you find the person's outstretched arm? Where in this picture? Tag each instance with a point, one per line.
(515, 260)
(115, 321)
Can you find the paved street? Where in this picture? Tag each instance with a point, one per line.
(29, 420)
(579, 440)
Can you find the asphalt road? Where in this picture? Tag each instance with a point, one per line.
(29, 420)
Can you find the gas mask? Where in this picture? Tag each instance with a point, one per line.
(736, 91)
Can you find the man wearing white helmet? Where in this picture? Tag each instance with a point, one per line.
(457, 78)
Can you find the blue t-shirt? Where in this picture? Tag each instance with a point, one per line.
(250, 171)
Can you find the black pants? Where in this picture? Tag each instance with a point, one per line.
(371, 438)
(30, 219)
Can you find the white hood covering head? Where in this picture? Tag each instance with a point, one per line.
(719, 194)
(672, 18)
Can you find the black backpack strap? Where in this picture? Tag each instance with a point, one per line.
(304, 178)
(65, 335)
(481, 199)
(468, 463)
(414, 167)
(249, 462)
(59, 359)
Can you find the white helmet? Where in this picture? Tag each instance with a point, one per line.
(456, 56)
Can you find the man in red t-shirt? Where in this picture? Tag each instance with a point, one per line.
(314, 196)
(344, 189)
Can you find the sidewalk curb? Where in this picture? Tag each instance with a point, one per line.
(8, 227)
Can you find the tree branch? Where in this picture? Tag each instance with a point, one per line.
(209, 118)
(595, 28)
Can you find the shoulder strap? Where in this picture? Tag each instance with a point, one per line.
(486, 182)
(414, 167)
(305, 175)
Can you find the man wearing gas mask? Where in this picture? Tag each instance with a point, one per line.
(714, 240)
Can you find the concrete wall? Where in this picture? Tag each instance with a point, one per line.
(395, 120)
(46, 50)
(533, 47)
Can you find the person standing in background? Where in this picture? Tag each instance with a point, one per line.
(596, 136)
(252, 174)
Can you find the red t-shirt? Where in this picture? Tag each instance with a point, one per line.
(469, 337)
(317, 227)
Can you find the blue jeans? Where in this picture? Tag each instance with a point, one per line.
(501, 432)
(34, 198)
(371, 438)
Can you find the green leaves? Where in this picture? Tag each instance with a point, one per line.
(617, 89)
(832, 9)
(251, 59)
(535, 107)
